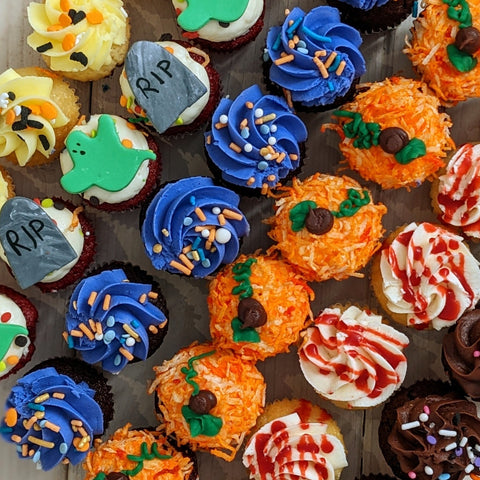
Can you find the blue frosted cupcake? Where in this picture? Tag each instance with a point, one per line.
(116, 316)
(192, 227)
(256, 141)
(313, 58)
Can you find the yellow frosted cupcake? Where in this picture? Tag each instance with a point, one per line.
(37, 110)
(326, 226)
(81, 39)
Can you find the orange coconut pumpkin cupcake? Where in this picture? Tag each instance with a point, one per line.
(209, 398)
(258, 306)
(326, 226)
(444, 48)
(393, 133)
(143, 454)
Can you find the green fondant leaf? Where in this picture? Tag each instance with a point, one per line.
(8, 332)
(201, 424)
(199, 12)
(240, 334)
(299, 213)
(462, 61)
(415, 148)
(101, 160)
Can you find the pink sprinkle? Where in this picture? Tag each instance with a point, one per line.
(426, 409)
(412, 474)
(476, 353)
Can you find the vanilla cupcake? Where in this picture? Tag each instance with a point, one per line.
(426, 277)
(352, 358)
(80, 39)
(38, 109)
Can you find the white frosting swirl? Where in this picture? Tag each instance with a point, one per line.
(125, 132)
(353, 357)
(286, 448)
(459, 190)
(213, 32)
(429, 274)
(190, 113)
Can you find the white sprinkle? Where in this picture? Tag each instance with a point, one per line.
(222, 235)
(469, 468)
(428, 470)
(268, 156)
(273, 128)
(477, 447)
(451, 446)
(205, 233)
(125, 14)
(463, 441)
(130, 342)
(223, 119)
(216, 210)
(447, 433)
(423, 417)
(258, 113)
(470, 453)
(341, 336)
(432, 425)
(99, 336)
(272, 140)
(409, 425)
(187, 221)
(248, 147)
(17, 110)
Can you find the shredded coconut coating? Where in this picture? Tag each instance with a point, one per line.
(407, 104)
(342, 251)
(431, 33)
(238, 386)
(284, 295)
(111, 456)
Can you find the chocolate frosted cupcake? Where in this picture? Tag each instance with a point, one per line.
(314, 58)
(143, 454)
(193, 226)
(54, 413)
(128, 172)
(428, 430)
(256, 141)
(116, 315)
(48, 242)
(461, 354)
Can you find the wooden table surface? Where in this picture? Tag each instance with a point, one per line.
(118, 237)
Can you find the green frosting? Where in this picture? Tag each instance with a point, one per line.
(144, 455)
(8, 332)
(190, 372)
(241, 274)
(415, 148)
(365, 133)
(459, 11)
(241, 334)
(201, 423)
(299, 212)
(199, 12)
(462, 61)
(101, 160)
(352, 205)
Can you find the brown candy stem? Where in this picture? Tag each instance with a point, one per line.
(393, 139)
(251, 313)
(319, 221)
(203, 402)
(468, 40)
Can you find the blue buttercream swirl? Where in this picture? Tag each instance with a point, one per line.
(365, 4)
(123, 310)
(266, 131)
(196, 219)
(321, 38)
(57, 400)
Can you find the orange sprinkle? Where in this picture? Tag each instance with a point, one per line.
(235, 147)
(10, 117)
(106, 301)
(75, 333)
(11, 417)
(169, 49)
(185, 260)
(200, 214)
(64, 20)
(153, 295)
(60, 396)
(181, 267)
(91, 298)
(221, 217)
(95, 17)
(271, 178)
(93, 327)
(51, 426)
(12, 359)
(187, 249)
(220, 125)
(24, 450)
(320, 53)
(68, 42)
(249, 105)
(98, 327)
(330, 59)
(29, 423)
(127, 143)
(80, 444)
(35, 109)
(126, 354)
(340, 68)
(281, 157)
(123, 101)
(75, 220)
(65, 5)
(293, 156)
(54, 28)
(48, 111)
(153, 329)
(250, 181)
(264, 188)
(86, 331)
(143, 298)
(321, 67)
(285, 59)
(76, 423)
(15, 438)
(231, 215)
